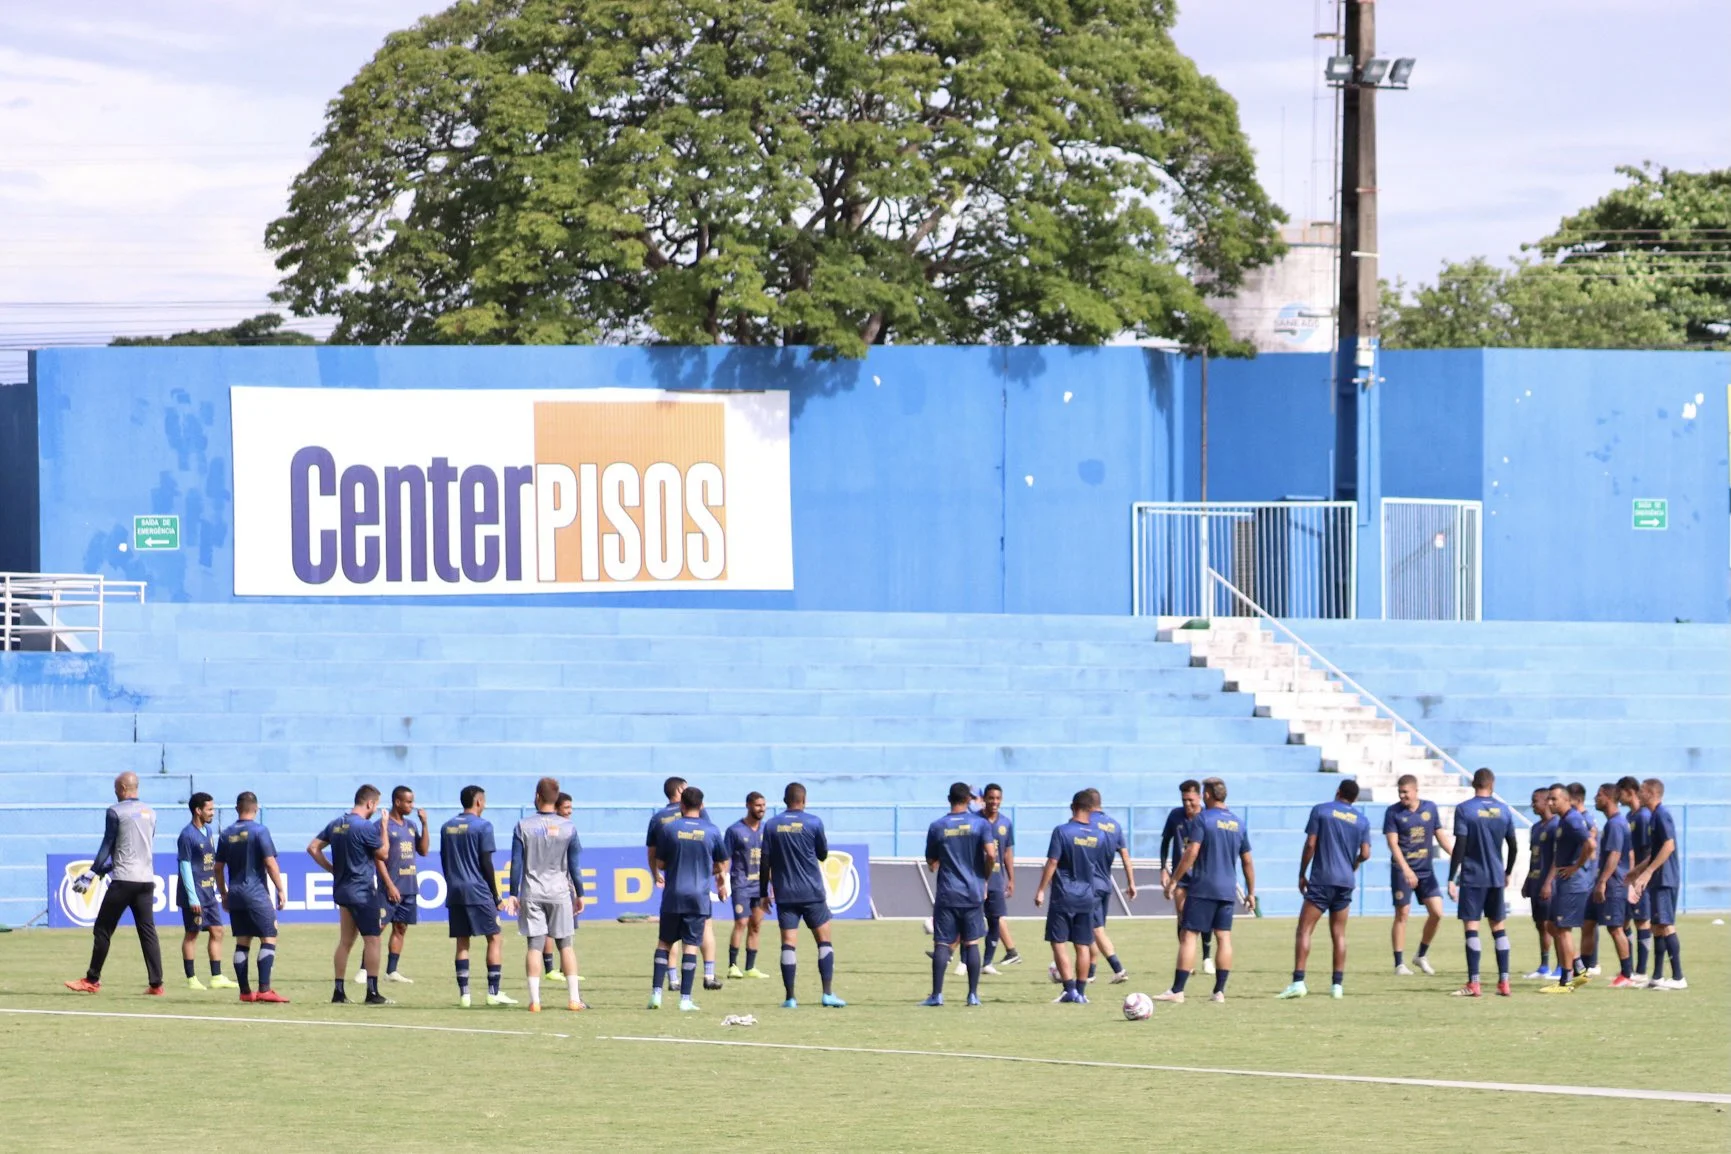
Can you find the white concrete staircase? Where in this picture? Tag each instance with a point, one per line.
(1352, 736)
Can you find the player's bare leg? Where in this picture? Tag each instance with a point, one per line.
(189, 951)
(346, 934)
(1308, 916)
(1397, 938)
(1337, 931)
(710, 981)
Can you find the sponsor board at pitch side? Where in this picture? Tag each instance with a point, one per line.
(615, 882)
(386, 492)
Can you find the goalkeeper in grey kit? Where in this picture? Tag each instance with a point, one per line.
(547, 888)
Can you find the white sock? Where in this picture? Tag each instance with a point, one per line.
(534, 990)
(571, 984)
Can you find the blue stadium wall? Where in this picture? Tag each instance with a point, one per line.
(974, 479)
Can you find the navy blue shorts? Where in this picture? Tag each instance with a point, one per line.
(405, 913)
(687, 928)
(788, 915)
(368, 915)
(1076, 929)
(742, 902)
(1642, 910)
(1101, 909)
(1569, 907)
(251, 919)
(1664, 905)
(996, 906)
(1614, 910)
(1481, 903)
(209, 916)
(1426, 889)
(1206, 915)
(959, 924)
(1329, 899)
(473, 921)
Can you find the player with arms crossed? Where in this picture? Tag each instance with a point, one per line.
(745, 852)
(1001, 886)
(1661, 874)
(1484, 830)
(1216, 845)
(1172, 846)
(794, 848)
(357, 863)
(1609, 904)
(689, 851)
(200, 907)
(960, 850)
(245, 857)
(547, 890)
(1072, 864)
(1337, 840)
(1410, 824)
(472, 901)
(1567, 887)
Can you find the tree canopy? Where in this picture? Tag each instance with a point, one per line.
(263, 329)
(819, 172)
(1647, 266)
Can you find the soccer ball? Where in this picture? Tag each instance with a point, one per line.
(1138, 1007)
(1052, 972)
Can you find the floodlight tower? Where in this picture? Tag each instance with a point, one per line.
(1358, 72)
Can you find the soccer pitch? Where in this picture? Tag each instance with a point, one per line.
(621, 1077)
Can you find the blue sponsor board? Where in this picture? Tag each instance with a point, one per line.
(615, 881)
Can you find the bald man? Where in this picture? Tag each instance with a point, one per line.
(124, 858)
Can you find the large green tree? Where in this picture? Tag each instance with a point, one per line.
(1647, 266)
(263, 329)
(827, 172)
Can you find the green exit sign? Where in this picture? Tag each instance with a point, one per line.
(161, 531)
(1651, 512)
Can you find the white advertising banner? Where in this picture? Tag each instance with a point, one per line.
(385, 492)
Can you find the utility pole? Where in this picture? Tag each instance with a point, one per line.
(1356, 347)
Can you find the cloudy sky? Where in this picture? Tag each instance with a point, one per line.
(144, 147)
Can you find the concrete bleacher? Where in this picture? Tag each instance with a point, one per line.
(1540, 702)
(877, 713)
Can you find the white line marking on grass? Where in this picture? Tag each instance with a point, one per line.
(284, 1022)
(1430, 1083)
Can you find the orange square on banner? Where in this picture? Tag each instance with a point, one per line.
(640, 435)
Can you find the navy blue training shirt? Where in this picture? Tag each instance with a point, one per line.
(957, 842)
(688, 848)
(466, 854)
(1413, 830)
(197, 848)
(1340, 833)
(1173, 834)
(1111, 841)
(1573, 833)
(1664, 829)
(1074, 846)
(242, 850)
(1224, 840)
(794, 843)
(1482, 826)
(745, 858)
(1003, 832)
(354, 841)
(1614, 839)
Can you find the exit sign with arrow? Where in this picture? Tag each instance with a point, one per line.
(160, 531)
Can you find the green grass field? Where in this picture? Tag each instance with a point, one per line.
(142, 1084)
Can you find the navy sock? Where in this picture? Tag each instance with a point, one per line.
(1092, 968)
(1399, 957)
(1501, 944)
(826, 965)
(494, 973)
(971, 959)
(940, 964)
(1179, 978)
(1338, 978)
(191, 970)
(1423, 949)
(1627, 965)
(391, 962)
(991, 949)
(372, 985)
(1590, 949)
(1674, 946)
(660, 973)
(266, 960)
(1544, 960)
(1474, 956)
(1220, 977)
(240, 973)
(463, 976)
(216, 968)
(751, 959)
(1297, 976)
(1643, 943)
(1207, 945)
(687, 975)
(1070, 986)
(1660, 949)
(1117, 966)
(789, 964)
(339, 987)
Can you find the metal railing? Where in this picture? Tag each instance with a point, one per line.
(58, 611)
(1432, 559)
(1300, 557)
(1302, 649)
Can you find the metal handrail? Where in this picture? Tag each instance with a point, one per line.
(51, 594)
(1300, 644)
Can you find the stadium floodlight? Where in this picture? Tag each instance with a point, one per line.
(1373, 72)
(1402, 70)
(1338, 70)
